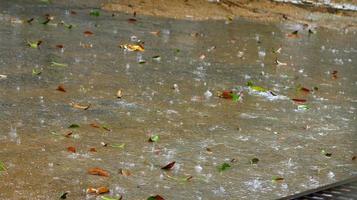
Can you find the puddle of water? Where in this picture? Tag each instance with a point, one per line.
(175, 98)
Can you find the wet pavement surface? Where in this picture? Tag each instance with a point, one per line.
(274, 145)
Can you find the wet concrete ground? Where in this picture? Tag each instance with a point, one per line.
(171, 98)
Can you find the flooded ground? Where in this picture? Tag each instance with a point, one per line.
(255, 143)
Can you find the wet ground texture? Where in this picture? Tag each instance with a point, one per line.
(245, 110)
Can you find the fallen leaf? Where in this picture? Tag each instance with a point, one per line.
(2, 167)
(120, 146)
(303, 107)
(156, 58)
(30, 20)
(73, 126)
(110, 198)
(71, 149)
(100, 190)
(56, 64)
(124, 172)
(119, 94)
(95, 13)
(88, 33)
(154, 138)
(169, 166)
(277, 179)
(67, 135)
(156, 33)
(334, 74)
(93, 149)
(61, 88)
(64, 195)
(305, 89)
(35, 44)
(94, 125)
(323, 152)
(132, 20)
(156, 197)
(226, 94)
(299, 100)
(98, 171)
(293, 34)
(106, 128)
(132, 47)
(353, 158)
(223, 167)
(254, 161)
(2, 76)
(79, 106)
(73, 12)
(36, 72)
(60, 46)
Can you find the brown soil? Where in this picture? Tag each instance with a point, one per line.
(262, 10)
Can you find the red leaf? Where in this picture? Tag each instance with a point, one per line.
(305, 89)
(299, 100)
(71, 149)
(61, 88)
(226, 94)
(98, 171)
(157, 197)
(60, 46)
(87, 33)
(169, 166)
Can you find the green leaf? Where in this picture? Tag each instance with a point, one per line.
(303, 107)
(56, 64)
(2, 167)
(277, 178)
(235, 98)
(109, 198)
(95, 13)
(36, 72)
(255, 88)
(33, 45)
(73, 126)
(119, 146)
(223, 167)
(254, 161)
(154, 138)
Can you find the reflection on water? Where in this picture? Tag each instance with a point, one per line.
(174, 97)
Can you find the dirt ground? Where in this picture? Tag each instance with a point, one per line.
(263, 10)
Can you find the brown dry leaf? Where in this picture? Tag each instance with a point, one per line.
(91, 190)
(60, 46)
(61, 88)
(100, 190)
(93, 149)
(88, 33)
(132, 47)
(98, 171)
(68, 134)
(119, 94)
(157, 33)
(79, 106)
(71, 149)
(94, 125)
(124, 172)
